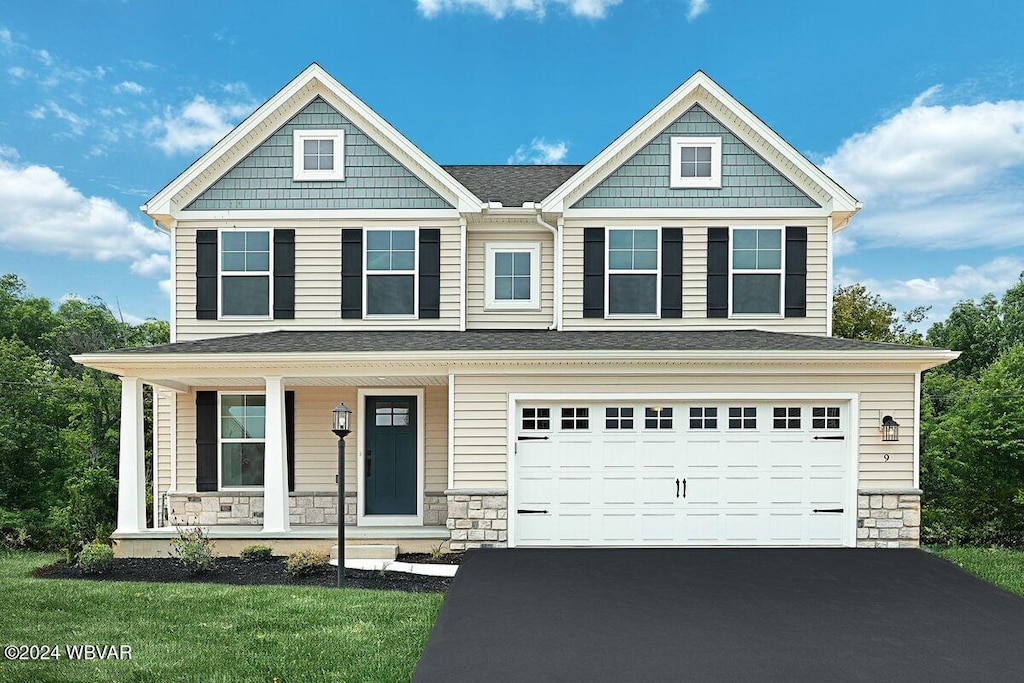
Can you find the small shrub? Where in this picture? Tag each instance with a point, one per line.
(306, 562)
(256, 553)
(95, 557)
(195, 549)
(437, 551)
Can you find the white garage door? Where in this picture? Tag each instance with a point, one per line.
(682, 473)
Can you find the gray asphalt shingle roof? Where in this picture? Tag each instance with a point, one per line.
(513, 340)
(512, 185)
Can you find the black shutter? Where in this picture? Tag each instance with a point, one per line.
(206, 274)
(671, 272)
(352, 273)
(206, 441)
(796, 272)
(284, 274)
(430, 273)
(289, 426)
(593, 272)
(718, 272)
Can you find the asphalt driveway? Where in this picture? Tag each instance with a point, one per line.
(722, 615)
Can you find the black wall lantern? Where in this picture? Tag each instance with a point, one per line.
(890, 429)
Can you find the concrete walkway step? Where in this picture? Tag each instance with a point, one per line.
(366, 552)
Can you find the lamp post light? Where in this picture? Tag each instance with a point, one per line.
(340, 427)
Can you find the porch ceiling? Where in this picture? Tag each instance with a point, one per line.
(184, 383)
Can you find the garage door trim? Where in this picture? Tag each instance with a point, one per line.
(514, 399)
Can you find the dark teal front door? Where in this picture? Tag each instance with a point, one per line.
(390, 457)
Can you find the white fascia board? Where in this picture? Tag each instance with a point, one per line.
(319, 214)
(697, 213)
(188, 362)
(161, 204)
(842, 201)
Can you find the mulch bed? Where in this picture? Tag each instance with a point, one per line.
(427, 558)
(232, 570)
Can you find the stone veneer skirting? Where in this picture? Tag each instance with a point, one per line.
(888, 518)
(225, 508)
(477, 518)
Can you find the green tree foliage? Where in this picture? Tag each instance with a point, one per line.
(859, 314)
(58, 420)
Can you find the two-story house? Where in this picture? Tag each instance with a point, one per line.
(633, 352)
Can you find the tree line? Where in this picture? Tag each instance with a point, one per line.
(59, 420)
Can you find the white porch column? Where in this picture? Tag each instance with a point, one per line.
(275, 461)
(131, 470)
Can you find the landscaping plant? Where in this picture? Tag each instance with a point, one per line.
(94, 557)
(305, 562)
(195, 549)
(257, 552)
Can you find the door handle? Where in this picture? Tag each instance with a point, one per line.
(677, 488)
(684, 488)
(369, 463)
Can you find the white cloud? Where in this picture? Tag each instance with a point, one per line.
(696, 8)
(5, 37)
(195, 126)
(943, 291)
(8, 152)
(76, 124)
(499, 9)
(18, 72)
(44, 213)
(130, 87)
(540, 151)
(937, 177)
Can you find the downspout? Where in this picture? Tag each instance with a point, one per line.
(462, 274)
(829, 276)
(556, 238)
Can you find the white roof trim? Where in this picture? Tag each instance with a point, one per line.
(603, 164)
(161, 206)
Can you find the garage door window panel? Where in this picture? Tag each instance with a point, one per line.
(575, 419)
(536, 419)
(743, 417)
(756, 264)
(825, 417)
(633, 273)
(618, 418)
(786, 417)
(704, 418)
(657, 418)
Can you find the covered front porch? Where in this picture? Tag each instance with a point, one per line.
(250, 456)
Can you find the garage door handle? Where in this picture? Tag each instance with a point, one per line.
(532, 512)
(684, 488)
(830, 438)
(831, 510)
(532, 438)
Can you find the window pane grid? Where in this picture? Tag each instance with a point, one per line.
(512, 275)
(757, 271)
(575, 418)
(825, 417)
(618, 418)
(242, 437)
(786, 418)
(743, 417)
(391, 251)
(695, 162)
(704, 418)
(536, 419)
(657, 418)
(318, 155)
(632, 272)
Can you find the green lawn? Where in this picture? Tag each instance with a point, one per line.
(206, 632)
(1004, 568)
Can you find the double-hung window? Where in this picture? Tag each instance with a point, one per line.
(756, 271)
(243, 420)
(390, 288)
(696, 162)
(318, 155)
(512, 273)
(632, 272)
(245, 267)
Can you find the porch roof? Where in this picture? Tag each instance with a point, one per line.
(413, 341)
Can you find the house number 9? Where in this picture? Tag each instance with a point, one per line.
(885, 457)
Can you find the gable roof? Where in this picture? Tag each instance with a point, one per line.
(700, 88)
(513, 185)
(312, 82)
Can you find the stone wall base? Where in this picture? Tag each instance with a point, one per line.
(888, 518)
(237, 508)
(477, 518)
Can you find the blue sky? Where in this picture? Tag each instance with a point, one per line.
(916, 107)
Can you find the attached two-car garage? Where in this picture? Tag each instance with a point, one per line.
(678, 472)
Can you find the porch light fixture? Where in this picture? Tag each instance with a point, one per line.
(340, 425)
(890, 429)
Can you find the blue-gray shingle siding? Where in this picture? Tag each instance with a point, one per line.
(373, 178)
(748, 181)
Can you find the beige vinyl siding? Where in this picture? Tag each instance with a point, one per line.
(481, 414)
(316, 447)
(162, 446)
(317, 281)
(477, 315)
(695, 245)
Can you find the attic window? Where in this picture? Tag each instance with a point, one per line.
(318, 155)
(696, 162)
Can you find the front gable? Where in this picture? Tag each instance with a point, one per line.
(263, 179)
(748, 180)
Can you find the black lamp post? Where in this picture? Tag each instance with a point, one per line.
(340, 426)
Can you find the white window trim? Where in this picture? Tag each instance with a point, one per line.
(415, 272)
(221, 274)
(493, 248)
(677, 180)
(221, 441)
(608, 273)
(780, 271)
(336, 173)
